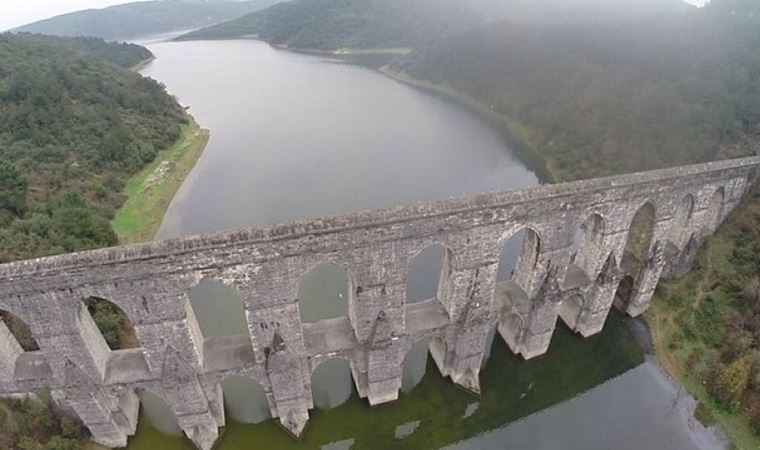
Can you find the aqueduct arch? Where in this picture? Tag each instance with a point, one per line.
(715, 211)
(625, 246)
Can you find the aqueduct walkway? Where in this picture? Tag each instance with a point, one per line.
(635, 228)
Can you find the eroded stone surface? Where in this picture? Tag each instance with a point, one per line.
(553, 278)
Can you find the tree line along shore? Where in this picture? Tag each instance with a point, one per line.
(91, 154)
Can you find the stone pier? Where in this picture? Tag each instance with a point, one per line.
(588, 245)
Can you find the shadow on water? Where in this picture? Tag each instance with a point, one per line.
(436, 413)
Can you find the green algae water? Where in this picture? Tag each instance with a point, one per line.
(436, 413)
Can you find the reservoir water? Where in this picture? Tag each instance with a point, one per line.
(296, 136)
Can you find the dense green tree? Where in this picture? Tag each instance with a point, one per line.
(13, 188)
(333, 24)
(136, 19)
(75, 225)
(729, 382)
(74, 124)
(111, 321)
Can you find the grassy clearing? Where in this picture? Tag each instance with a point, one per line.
(691, 320)
(151, 190)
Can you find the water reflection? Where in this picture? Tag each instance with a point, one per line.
(424, 274)
(331, 384)
(219, 309)
(296, 136)
(158, 414)
(323, 293)
(245, 400)
(509, 253)
(641, 409)
(415, 364)
(512, 389)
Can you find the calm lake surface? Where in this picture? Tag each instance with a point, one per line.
(296, 136)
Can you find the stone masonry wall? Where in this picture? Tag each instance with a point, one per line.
(553, 278)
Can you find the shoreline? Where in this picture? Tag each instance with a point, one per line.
(525, 146)
(150, 191)
(649, 330)
(143, 64)
(344, 51)
(519, 136)
(675, 306)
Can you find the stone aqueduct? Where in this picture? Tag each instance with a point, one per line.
(620, 261)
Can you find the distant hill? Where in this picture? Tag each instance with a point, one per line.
(132, 20)
(604, 98)
(596, 86)
(333, 24)
(121, 54)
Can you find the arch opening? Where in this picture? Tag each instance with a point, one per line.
(112, 322)
(489, 346)
(331, 383)
(415, 365)
(640, 234)
(425, 273)
(575, 247)
(624, 293)
(510, 329)
(20, 331)
(158, 413)
(714, 211)
(681, 220)
(323, 293)
(245, 400)
(219, 309)
(753, 176)
(588, 242)
(571, 311)
(691, 246)
(683, 261)
(519, 253)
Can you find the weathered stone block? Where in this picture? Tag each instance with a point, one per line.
(266, 264)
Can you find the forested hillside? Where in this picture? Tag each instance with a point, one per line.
(335, 24)
(74, 124)
(602, 98)
(617, 97)
(123, 55)
(595, 87)
(332, 24)
(144, 18)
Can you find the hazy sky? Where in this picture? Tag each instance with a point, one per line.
(14, 13)
(19, 12)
